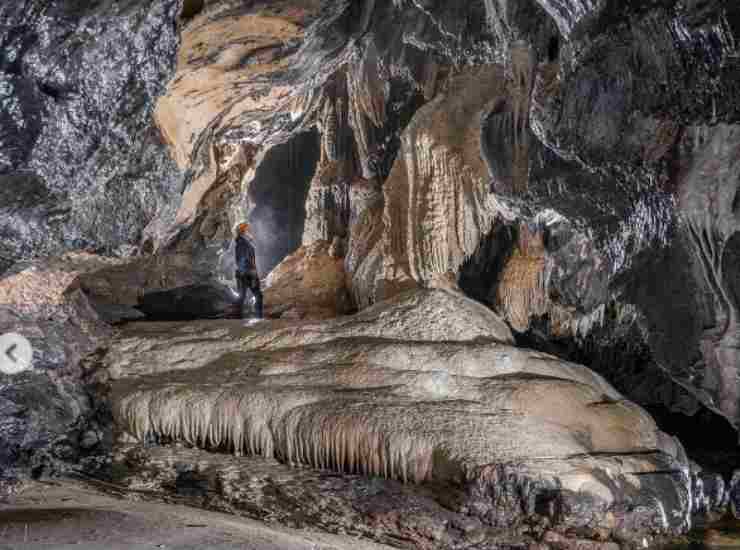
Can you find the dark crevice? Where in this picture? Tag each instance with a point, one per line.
(480, 273)
(615, 351)
(403, 103)
(191, 8)
(200, 301)
(553, 49)
(705, 435)
(51, 91)
(279, 191)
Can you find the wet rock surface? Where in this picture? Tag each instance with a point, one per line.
(46, 410)
(309, 284)
(83, 166)
(624, 153)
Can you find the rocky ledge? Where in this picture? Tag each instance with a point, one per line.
(447, 436)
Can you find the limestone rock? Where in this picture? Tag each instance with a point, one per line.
(430, 137)
(437, 205)
(126, 282)
(327, 205)
(310, 283)
(145, 348)
(401, 392)
(226, 60)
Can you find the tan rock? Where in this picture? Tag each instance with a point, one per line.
(310, 283)
(521, 293)
(423, 386)
(421, 316)
(223, 69)
(44, 286)
(402, 410)
(437, 200)
(364, 255)
(327, 204)
(212, 61)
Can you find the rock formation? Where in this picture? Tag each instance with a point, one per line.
(310, 283)
(46, 411)
(516, 187)
(407, 391)
(83, 165)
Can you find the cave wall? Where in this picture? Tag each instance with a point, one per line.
(82, 164)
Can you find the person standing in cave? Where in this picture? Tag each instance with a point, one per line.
(246, 268)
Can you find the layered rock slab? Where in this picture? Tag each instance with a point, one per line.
(424, 387)
(67, 514)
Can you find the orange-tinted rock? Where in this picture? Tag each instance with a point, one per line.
(308, 284)
(437, 204)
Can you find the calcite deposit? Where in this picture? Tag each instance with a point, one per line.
(400, 392)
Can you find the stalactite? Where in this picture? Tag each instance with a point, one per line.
(328, 126)
(709, 247)
(522, 66)
(522, 289)
(522, 292)
(272, 423)
(414, 409)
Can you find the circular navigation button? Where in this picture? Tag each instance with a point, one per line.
(16, 353)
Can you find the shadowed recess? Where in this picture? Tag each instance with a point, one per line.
(279, 192)
(191, 8)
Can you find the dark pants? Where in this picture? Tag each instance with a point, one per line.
(249, 280)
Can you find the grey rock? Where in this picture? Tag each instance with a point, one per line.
(734, 494)
(89, 439)
(116, 313)
(82, 164)
(201, 301)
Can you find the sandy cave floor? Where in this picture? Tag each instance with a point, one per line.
(65, 514)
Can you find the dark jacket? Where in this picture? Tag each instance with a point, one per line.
(245, 254)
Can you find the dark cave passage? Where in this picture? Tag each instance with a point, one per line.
(553, 49)
(479, 274)
(279, 193)
(191, 8)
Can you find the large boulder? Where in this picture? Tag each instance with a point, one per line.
(310, 283)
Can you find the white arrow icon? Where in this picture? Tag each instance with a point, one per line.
(16, 353)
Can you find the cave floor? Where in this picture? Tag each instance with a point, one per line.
(68, 514)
